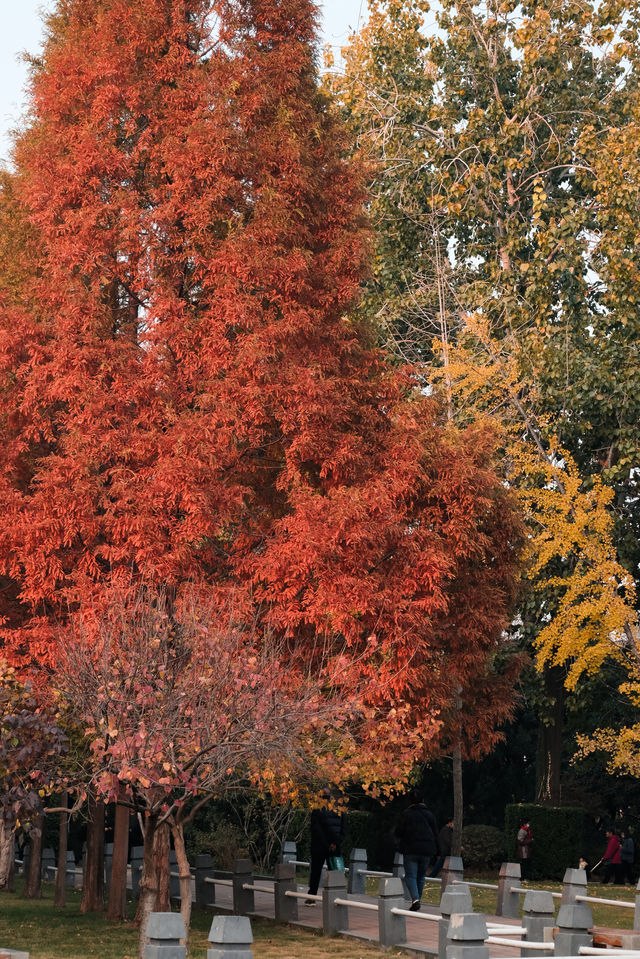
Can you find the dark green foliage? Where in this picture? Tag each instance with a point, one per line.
(557, 837)
(245, 825)
(482, 847)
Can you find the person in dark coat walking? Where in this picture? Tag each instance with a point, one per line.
(417, 833)
(327, 834)
(445, 838)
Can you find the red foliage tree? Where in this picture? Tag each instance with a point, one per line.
(196, 404)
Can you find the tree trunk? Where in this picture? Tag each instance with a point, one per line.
(185, 874)
(148, 882)
(33, 879)
(161, 850)
(117, 905)
(458, 799)
(93, 872)
(7, 842)
(550, 735)
(60, 896)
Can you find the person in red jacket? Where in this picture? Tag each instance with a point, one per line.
(611, 859)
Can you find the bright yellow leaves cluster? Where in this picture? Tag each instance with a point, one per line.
(571, 556)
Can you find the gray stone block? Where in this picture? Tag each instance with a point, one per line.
(243, 899)
(284, 880)
(454, 899)
(335, 918)
(205, 891)
(289, 851)
(357, 881)
(574, 883)
(508, 900)
(166, 926)
(452, 869)
(575, 917)
(538, 910)
(391, 928)
(164, 931)
(230, 938)
(466, 938)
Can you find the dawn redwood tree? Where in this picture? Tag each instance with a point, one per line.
(193, 403)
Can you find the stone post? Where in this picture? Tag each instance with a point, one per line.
(398, 871)
(467, 935)
(574, 922)
(205, 891)
(392, 930)
(574, 884)
(230, 938)
(285, 907)
(243, 899)
(48, 864)
(357, 882)
(537, 916)
(508, 901)
(165, 930)
(335, 918)
(452, 869)
(70, 874)
(454, 900)
(108, 863)
(174, 879)
(137, 858)
(289, 851)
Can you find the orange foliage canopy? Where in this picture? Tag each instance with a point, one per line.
(185, 399)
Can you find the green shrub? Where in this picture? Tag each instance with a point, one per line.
(483, 847)
(557, 837)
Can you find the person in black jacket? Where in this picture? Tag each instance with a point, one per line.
(417, 833)
(327, 834)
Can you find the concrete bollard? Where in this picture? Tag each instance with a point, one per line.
(70, 873)
(454, 900)
(508, 880)
(467, 937)
(289, 851)
(335, 918)
(108, 865)
(174, 880)
(286, 907)
(537, 916)
(398, 871)
(574, 883)
(574, 922)
(137, 859)
(357, 882)
(452, 869)
(392, 930)
(243, 899)
(230, 938)
(205, 891)
(164, 931)
(48, 864)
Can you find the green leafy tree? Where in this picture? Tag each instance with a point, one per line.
(502, 141)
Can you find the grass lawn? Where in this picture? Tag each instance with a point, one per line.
(48, 933)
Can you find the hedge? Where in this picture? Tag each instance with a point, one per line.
(557, 837)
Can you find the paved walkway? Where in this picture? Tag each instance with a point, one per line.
(422, 933)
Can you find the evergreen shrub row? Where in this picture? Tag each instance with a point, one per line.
(557, 837)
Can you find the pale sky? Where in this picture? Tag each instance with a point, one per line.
(21, 30)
